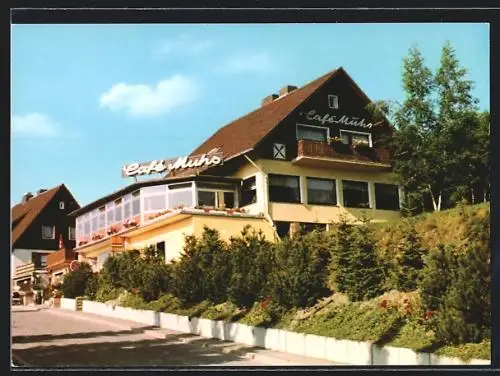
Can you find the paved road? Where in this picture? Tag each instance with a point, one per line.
(57, 338)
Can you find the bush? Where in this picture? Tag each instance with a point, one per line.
(75, 282)
(203, 271)
(410, 260)
(299, 271)
(250, 255)
(360, 274)
(466, 308)
(92, 286)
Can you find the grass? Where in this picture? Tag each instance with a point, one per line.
(468, 351)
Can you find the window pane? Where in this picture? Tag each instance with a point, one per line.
(47, 232)
(110, 215)
(154, 203)
(136, 207)
(102, 221)
(355, 194)
(248, 191)
(180, 186)
(72, 233)
(206, 198)
(284, 188)
(94, 224)
(118, 213)
(154, 189)
(215, 186)
(311, 133)
(127, 210)
(229, 199)
(182, 197)
(387, 196)
(102, 257)
(86, 228)
(320, 191)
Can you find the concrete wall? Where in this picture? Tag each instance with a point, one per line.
(335, 350)
(68, 304)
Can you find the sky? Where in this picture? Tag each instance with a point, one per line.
(87, 99)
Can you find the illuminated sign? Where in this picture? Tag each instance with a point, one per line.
(209, 159)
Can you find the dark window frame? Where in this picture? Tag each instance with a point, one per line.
(248, 182)
(367, 194)
(280, 198)
(309, 202)
(396, 205)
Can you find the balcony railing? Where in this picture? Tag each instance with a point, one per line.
(339, 151)
(60, 257)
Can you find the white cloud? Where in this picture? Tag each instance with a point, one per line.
(259, 62)
(33, 125)
(183, 45)
(143, 99)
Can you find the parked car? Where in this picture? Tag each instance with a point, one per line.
(16, 298)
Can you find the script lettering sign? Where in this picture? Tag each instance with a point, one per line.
(336, 119)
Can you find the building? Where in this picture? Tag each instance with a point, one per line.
(40, 223)
(307, 157)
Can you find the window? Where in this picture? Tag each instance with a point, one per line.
(282, 228)
(154, 203)
(307, 132)
(94, 221)
(118, 210)
(71, 233)
(386, 196)
(206, 198)
(39, 259)
(136, 203)
(61, 205)
(284, 188)
(321, 191)
(86, 228)
(181, 197)
(355, 194)
(110, 209)
(102, 218)
(248, 191)
(333, 102)
(160, 249)
(228, 199)
(353, 138)
(48, 232)
(279, 151)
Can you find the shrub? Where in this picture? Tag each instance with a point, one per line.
(75, 282)
(410, 260)
(466, 308)
(360, 274)
(435, 277)
(299, 271)
(204, 269)
(250, 266)
(92, 286)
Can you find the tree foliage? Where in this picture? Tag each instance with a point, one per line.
(75, 282)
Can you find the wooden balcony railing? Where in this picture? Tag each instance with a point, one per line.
(25, 269)
(307, 148)
(60, 257)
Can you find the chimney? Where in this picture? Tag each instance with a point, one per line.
(269, 99)
(26, 197)
(287, 90)
(41, 190)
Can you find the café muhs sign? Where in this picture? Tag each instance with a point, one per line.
(165, 166)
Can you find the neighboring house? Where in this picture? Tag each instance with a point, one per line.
(304, 159)
(39, 224)
(58, 264)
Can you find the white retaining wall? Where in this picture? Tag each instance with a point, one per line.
(340, 351)
(68, 304)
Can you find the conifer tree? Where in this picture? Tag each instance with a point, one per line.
(410, 262)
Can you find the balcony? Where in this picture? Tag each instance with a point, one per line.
(27, 270)
(338, 155)
(60, 258)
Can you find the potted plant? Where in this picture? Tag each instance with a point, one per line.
(361, 145)
(334, 140)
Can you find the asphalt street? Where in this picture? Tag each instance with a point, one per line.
(57, 338)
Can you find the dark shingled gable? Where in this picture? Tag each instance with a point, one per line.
(246, 132)
(23, 214)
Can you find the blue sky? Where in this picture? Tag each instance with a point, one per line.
(87, 99)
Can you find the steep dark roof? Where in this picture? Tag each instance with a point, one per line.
(244, 133)
(23, 214)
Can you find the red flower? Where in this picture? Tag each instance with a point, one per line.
(428, 315)
(383, 304)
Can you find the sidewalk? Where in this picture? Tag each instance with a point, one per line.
(265, 356)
